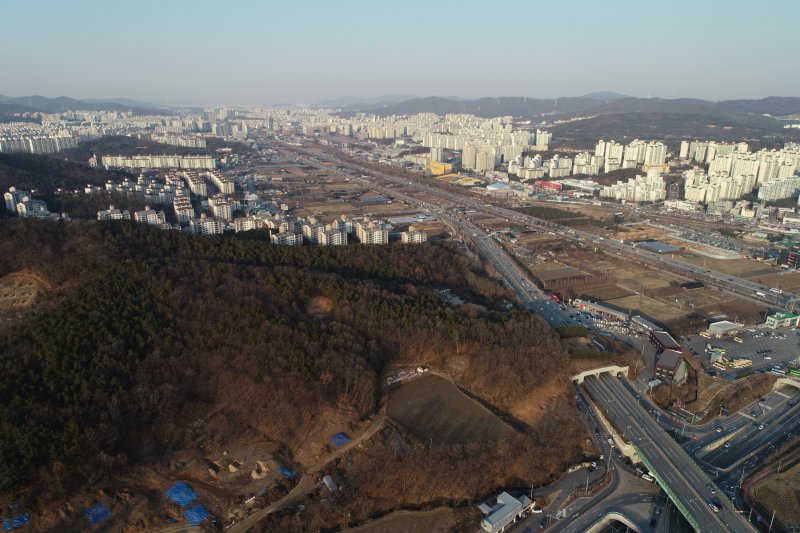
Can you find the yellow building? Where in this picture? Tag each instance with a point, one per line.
(438, 168)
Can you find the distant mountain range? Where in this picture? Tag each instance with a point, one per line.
(41, 104)
(751, 113)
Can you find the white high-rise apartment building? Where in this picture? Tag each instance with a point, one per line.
(149, 216)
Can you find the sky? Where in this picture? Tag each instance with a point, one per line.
(261, 52)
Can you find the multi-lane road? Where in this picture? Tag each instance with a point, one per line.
(729, 283)
(684, 481)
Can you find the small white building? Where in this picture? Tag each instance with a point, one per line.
(723, 327)
(504, 511)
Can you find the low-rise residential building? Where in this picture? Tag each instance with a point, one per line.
(286, 238)
(207, 226)
(32, 208)
(413, 237)
(663, 341)
(150, 216)
(14, 197)
(112, 213)
(370, 232)
(333, 238)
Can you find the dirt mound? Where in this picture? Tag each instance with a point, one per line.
(319, 306)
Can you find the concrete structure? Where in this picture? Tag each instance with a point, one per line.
(614, 370)
(782, 319)
(671, 366)
(413, 237)
(505, 511)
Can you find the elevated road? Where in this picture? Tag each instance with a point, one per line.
(685, 483)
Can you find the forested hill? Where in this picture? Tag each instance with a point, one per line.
(147, 330)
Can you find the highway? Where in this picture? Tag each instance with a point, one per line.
(725, 282)
(529, 295)
(682, 478)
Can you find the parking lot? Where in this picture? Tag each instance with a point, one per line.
(766, 348)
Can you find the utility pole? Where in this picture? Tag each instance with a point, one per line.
(771, 519)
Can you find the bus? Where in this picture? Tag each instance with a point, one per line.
(794, 372)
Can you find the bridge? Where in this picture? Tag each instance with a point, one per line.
(614, 370)
(680, 477)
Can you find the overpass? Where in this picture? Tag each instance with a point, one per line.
(614, 370)
(612, 516)
(680, 477)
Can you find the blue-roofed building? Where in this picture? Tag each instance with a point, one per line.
(505, 511)
(657, 247)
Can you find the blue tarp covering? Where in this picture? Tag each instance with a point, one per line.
(196, 514)
(10, 524)
(181, 493)
(97, 513)
(340, 439)
(286, 472)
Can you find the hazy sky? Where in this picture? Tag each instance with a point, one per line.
(261, 52)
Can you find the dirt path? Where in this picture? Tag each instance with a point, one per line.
(308, 480)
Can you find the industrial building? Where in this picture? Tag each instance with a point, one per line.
(657, 247)
(723, 327)
(644, 324)
(600, 310)
(664, 341)
(670, 365)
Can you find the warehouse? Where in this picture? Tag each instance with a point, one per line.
(723, 327)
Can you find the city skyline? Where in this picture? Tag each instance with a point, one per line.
(195, 53)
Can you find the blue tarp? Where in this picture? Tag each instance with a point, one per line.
(286, 472)
(10, 524)
(340, 439)
(181, 493)
(97, 513)
(196, 514)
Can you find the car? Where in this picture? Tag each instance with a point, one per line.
(537, 510)
(719, 429)
(761, 426)
(543, 522)
(594, 464)
(728, 444)
(591, 469)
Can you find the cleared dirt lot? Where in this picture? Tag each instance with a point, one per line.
(649, 307)
(410, 522)
(437, 412)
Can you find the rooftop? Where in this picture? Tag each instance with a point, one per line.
(669, 359)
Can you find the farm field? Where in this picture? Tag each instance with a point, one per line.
(437, 412)
(410, 522)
